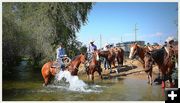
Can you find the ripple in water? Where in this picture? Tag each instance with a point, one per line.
(64, 80)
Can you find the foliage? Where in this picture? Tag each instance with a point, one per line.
(34, 30)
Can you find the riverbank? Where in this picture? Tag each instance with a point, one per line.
(130, 70)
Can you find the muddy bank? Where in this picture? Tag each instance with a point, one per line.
(130, 69)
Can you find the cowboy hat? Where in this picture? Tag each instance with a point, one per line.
(91, 41)
(106, 44)
(170, 38)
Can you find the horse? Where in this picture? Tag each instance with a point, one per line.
(109, 55)
(48, 70)
(119, 55)
(74, 64)
(136, 50)
(163, 58)
(94, 65)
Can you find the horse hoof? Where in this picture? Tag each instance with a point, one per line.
(44, 85)
(150, 83)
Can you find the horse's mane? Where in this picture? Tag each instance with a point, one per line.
(77, 56)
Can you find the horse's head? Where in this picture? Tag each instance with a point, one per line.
(96, 55)
(133, 51)
(83, 58)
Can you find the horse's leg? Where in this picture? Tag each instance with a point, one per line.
(87, 76)
(163, 70)
(90, 76)
(118, 61)
(93, 76)
(150, 76)
(121, 60)
(114, 63)
(169, 77)
(46, 80)
(99, 71)
(170, 80)
(109, 63)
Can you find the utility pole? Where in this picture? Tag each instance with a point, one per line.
(121, 39)
(100, 41)
(135, 30)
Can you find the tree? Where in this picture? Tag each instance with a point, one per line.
(41, 26)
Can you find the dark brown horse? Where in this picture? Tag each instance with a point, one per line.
(48, 71)
(163, 58)
(94, 65)
(111, 54)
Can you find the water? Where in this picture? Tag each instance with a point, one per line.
(25, 84)
(73, 83)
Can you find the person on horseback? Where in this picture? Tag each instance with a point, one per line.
(60, 54)
(106, 47)
(92, 47)
(148, 44)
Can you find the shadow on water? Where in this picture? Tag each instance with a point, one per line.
(27, 86)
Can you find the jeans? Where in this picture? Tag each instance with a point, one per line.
(106, 64)
(89, 56)
(61, 63)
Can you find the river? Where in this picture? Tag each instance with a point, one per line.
(25, 84)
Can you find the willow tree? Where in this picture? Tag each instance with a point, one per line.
(44, 25)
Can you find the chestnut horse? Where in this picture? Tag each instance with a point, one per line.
(74, 64)
(94, 65)
(119, 55)
(48, 71)
(136, 50)
(163, 58)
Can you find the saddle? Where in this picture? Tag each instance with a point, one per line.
(55, 65)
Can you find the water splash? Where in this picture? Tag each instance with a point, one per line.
(73, 83)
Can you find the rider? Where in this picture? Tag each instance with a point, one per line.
(92, 47)
(170, 41)
(60, 53)
(106, 47)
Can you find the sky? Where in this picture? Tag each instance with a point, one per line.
(115, 22)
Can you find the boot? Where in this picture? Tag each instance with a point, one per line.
(163, 84)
